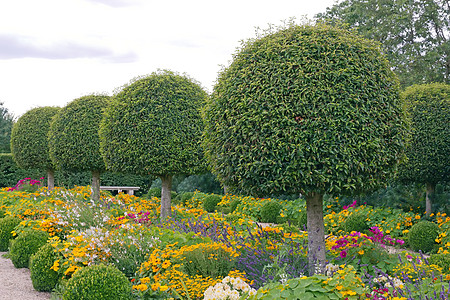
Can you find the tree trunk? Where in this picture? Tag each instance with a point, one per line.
(316, 233)
(95, 186)
(429, 195)
(50, 179)
(166, 187)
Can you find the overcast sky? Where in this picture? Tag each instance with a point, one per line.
(54, 51)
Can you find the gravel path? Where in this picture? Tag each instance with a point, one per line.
(15, 284)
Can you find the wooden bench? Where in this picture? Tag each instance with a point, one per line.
(128, 189)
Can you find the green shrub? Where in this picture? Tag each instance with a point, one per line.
(234, 204)
(7, 225)
(43, 278)
(98, 282)
(27, 243)
(442, 260)
(210, 202)
(208, 260)
(270, 211)
(231, 218)
(154, 192)
(2, 214)
(422, 236)
(184, 198)
(302, 220)
(355, 222)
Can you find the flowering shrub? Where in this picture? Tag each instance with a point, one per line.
(27, 185)
(229, 289)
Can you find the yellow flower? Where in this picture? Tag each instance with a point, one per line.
(417, 217)
(145, 280)
(339, 287)
(361, 252)
(163, 288)
(166, 264)
(55, 266)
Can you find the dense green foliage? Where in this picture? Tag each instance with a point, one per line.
(415, 34)
(7, 225)
(6, 124)
(210, 202)
(10, 173)
(29, 138)
(429, 149)
(43, 278)
(355, 222)
(307, 108)
(153, 126)
(98, 282)
(270, 211)
(442, 260)
(422, 236)
(73, 137)
(26, 244)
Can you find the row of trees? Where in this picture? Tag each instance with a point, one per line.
(301, 109)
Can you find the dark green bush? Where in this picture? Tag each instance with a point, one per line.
(208, 261)
(422, 236)
(154, 192)
(355, 222)
(7, 225)
(442, 260)
(270, 211)
(27, 243)
(10, 173)
(98, 282)
(302, 220)
(43, 278)
(210, 202)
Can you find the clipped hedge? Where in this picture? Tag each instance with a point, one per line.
(10, 173)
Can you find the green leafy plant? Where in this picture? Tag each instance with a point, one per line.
(422, 236)
(355, 222)
(270, 211)
(442, 260)
(7, 225)
(43, 275)
(26, 244)
(210, 202)
(98, 282)
(207, 260)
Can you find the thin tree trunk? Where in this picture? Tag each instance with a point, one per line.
(50, 179)
(95, 186)
(429, 195)
(166, 187)
(316, 233)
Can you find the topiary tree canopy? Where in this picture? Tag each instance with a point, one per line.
(154, 126)
(29, 143)
(429, 149)
(305, 109)
(73, 138)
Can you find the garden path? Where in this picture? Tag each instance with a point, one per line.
(15, 284)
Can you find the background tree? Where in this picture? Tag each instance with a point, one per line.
(306, 109)
(73, 138)
(415, 34)
(29, 141)
(154, 126)
(6, 123)
(429, 150)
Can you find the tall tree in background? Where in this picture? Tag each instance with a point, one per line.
(73, 139)
(429, 149)
(29, 142)
(6, 123)
(415, 34)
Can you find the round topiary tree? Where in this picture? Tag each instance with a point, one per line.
(428, 152)
(43, 277)
(29, 142)
(154, 126)
(422, 236)
(305, 109)
(73, 138)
